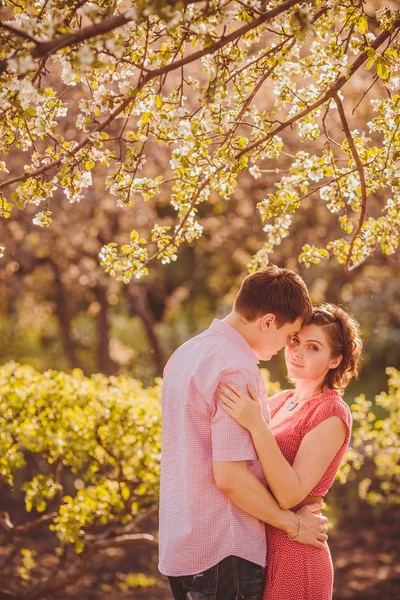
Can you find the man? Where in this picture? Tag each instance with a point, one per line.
(214, 500)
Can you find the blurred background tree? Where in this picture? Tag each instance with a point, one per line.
(58, 306)
(96, 106)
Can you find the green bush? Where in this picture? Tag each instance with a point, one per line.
(88, 450)
(376, 445)
(81, 455)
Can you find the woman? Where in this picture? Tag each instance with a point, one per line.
(301, 449)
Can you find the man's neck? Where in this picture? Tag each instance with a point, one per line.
(239, 324)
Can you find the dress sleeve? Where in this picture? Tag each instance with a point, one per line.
(332, 406)
(230, 441)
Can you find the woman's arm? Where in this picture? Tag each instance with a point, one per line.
(289, 484)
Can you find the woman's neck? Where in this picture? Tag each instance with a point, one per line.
(306, 388)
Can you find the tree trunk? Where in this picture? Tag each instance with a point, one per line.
(64, 317)
(140, 306)
(105, 364)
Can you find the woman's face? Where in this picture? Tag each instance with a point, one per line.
(308, 354)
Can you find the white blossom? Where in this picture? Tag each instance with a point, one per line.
(255, 171)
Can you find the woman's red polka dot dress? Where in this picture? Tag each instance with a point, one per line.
(296, 571)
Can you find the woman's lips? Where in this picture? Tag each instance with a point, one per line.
(295, 364)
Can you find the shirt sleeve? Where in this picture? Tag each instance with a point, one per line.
(230, 441)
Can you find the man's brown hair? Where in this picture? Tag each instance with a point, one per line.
(273, 290)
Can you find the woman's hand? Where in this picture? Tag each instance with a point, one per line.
(246, 410)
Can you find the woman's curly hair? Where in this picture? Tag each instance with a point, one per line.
(344, 337)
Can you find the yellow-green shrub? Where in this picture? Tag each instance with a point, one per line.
(106, 431)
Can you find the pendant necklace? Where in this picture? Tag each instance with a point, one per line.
(291, 405)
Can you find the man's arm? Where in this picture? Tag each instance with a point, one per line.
(248, 493)
(232, 447)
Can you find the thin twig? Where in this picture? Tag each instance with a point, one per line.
(44, 49)
(18, 32)
(327, 96)
(360, 170)
(152, 75)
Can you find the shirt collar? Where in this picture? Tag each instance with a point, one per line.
(234, 336)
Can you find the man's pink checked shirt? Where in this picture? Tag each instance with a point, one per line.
(199, 524)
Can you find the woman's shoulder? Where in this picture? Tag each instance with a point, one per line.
(331, 404)
(336, 400)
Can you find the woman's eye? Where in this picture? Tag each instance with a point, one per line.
(313, 347)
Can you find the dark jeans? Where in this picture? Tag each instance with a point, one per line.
(233, 578)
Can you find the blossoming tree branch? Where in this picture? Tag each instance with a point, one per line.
(220, 84)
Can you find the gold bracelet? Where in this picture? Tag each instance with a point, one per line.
(299, 526)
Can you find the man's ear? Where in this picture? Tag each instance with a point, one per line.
(266, 321)
(335, 362)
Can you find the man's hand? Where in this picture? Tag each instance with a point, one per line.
(314, 528)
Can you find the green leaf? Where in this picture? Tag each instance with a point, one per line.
(145, 118)
(125, 493)
(370, 61)
(362, 25)
(382, 70)
(79, 546)
(159, 101)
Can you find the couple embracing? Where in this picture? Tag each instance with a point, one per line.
(243, 476)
